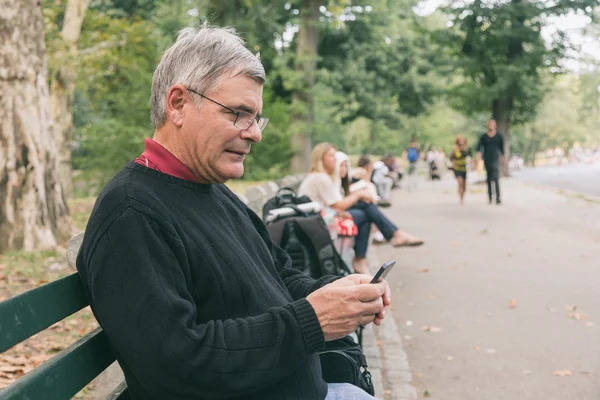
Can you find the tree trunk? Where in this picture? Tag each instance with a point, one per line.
(302, 101)
(33, 212)
(62, 91)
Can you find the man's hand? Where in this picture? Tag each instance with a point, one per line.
(349, 302)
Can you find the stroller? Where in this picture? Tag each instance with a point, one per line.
(434, 172)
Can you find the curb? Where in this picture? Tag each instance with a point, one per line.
(390, 361)
(566, 192)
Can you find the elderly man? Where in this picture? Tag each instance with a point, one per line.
(183, 277)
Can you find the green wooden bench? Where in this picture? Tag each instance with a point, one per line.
(69, 371)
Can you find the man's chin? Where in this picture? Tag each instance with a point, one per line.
(234, 172)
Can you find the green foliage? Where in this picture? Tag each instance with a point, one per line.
(567, 116)
(384, 74)
(117, 59)
(499, 49)
(269, 159)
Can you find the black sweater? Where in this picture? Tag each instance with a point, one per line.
(196, 299)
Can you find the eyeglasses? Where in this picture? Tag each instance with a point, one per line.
(243, 119)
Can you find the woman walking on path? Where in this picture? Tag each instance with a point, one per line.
(459, 158)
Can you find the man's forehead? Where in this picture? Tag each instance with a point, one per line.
(241, 86)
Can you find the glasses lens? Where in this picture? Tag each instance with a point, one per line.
(262, 123)
(244, 120)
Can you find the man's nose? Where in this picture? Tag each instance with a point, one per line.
(253, 133)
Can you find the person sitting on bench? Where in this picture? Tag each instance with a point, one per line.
(183, 277)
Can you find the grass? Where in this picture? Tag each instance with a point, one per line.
(80, 210)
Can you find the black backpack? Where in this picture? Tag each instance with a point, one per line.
(304, 236)
(343, 361)
(285, 197)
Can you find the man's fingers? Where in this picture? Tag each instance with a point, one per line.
(371, 307)
(359, 279)
(369, 292)
(364, 320)
(387, 296)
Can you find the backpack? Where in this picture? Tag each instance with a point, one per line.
(343, 361)
(285, 197)
(413, 154)
(304, 236)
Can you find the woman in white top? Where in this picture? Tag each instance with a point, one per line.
(328, 185)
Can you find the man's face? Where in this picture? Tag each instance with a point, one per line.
(214, 148)
(491, 125)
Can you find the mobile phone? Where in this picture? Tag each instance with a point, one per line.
(383, 271)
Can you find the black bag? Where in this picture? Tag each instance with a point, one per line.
(285, 197)
(304, 236)
(343, 361)
(306, 240)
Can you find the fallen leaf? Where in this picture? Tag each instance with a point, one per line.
(424, 270)
(456, 244)
(432, 329)
(426, 393)
(578, 316)
(585, 372)
(570, 308)
(563, 372)
(409, 323)
(512, 303)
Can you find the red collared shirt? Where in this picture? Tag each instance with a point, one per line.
(157, 157)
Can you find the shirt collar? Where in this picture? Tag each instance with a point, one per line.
(157, 157)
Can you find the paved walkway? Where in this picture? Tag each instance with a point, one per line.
(501, 300)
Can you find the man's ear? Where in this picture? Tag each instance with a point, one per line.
(177, 97)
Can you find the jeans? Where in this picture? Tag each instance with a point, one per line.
(493, 175)
(346, 391)
(384, 187)
(365, 214)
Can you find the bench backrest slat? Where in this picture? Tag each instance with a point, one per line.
(31, 312)
(65, 374)
(119, 393)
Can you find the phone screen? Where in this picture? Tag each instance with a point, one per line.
(383, 271)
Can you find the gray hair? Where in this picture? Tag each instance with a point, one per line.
(197, 59)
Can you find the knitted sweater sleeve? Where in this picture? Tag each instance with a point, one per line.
(140, 295)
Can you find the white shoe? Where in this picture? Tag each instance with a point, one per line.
(378, 237)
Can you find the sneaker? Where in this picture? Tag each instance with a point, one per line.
(498, 201)
(378, 238)
(384, 204)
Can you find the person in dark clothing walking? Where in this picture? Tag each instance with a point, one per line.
(491, 146)
(183, 277)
